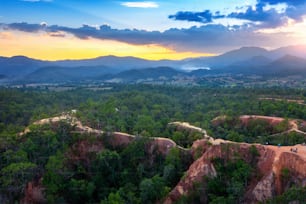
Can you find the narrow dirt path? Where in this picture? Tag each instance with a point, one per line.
(188, 126)
(273, 120)
(184, 125)
(83, 129)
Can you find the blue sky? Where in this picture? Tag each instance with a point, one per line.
(193, 26)
(118, 14)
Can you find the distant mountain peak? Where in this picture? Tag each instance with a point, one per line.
(290, 59)
(286, 66)
(248, 59)
(296, 50)
(19, 57)
(252, 48)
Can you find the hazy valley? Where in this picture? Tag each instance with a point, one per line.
(242, 66)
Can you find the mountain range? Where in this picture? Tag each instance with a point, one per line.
(284, 61)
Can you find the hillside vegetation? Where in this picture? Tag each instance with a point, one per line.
(65, 162)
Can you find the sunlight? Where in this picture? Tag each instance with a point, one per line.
(292, 30)
(60, 46)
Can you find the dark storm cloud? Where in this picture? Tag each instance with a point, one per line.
(288, 2)
(297, 12)
(268, 18)
(208, 38)
(56, 34)
(205, 34)
(26, 27)
(133, 36)
(202, 17)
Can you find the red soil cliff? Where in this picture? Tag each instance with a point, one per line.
(270, 164)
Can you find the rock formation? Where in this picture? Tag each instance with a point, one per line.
(270, 164)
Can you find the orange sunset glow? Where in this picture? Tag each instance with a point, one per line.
(43, 46)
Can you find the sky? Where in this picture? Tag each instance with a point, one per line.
(168, 29)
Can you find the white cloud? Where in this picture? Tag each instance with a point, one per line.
(44, 24)
(144, 4)
(280, 8)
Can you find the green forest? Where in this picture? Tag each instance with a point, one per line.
(54, 156)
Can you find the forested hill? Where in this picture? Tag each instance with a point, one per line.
(54, 163)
